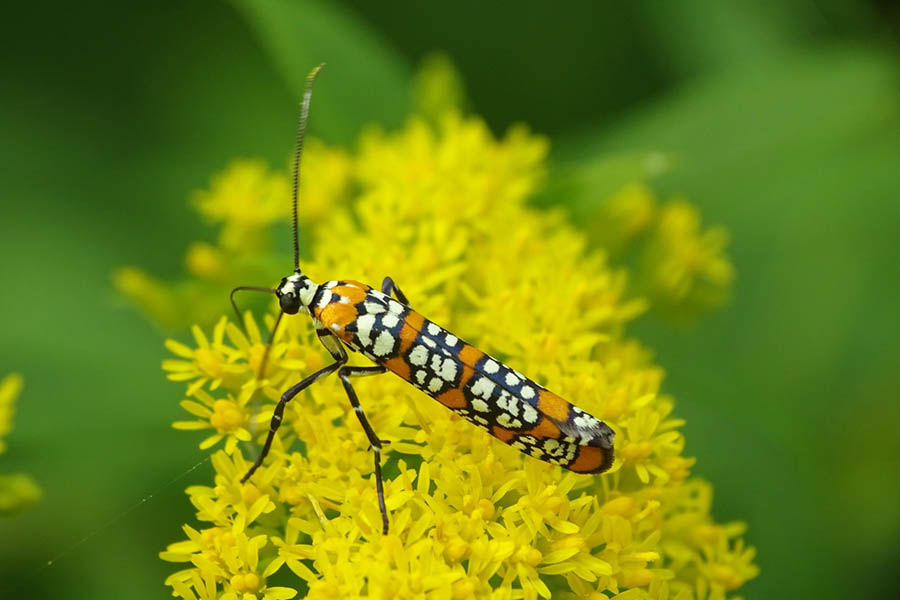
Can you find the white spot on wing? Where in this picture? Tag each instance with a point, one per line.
(384, 343)
(433, 329)
(508, 403)
(512, 380)
(375, 308)
(390, 320)
(529, 414)
(451, 339)
(586, 421)
(483, 387)
(418, 355)
(480, 405)
(448, 369)
(364, 329)
(491, 366)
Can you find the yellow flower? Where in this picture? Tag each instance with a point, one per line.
(685, 266)
(209, 363)
(10, 387)
(229, 417)
(682, 269)
(246, 198)
(232, 565)
(17, 491)
(440, 206)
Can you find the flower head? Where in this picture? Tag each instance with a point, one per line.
(440, 207)
(470, 517)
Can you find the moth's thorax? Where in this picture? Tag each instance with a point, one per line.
(296, 292)
(339, 304)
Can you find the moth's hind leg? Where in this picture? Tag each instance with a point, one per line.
(345, 373)
(390, 288)
(337, 352)
(278, 415)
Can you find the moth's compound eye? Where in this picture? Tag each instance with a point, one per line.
(290, 303)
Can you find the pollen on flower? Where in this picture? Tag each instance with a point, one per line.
(226, 416)
(441, 207)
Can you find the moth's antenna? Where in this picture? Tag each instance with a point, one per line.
(245, 288)
(240, 321)
(301, 130)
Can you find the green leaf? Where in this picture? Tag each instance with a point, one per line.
(725, 131)
(366, 79)
(582, 185)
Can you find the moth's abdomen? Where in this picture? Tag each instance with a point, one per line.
(478, 387)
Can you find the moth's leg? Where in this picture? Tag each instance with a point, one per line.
(337, 351)
(390, 288)
(345, 373)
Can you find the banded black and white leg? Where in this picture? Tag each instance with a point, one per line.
(345, 373)
(337, 352)
(390, 288)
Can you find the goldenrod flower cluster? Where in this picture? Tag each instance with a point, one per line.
(442, 210)
(17, 491)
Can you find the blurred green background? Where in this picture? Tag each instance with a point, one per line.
(783, 120)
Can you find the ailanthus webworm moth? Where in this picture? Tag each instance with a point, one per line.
(383, 327)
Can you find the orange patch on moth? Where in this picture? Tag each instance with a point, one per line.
(354, 291)
(502, 434)
(414, 320)
(469, 355)
(398, 365)
(553, 406)
(407, 337)
(338, 314)
(591, 460)
(467, 374)
(452, 399)
(545, 430)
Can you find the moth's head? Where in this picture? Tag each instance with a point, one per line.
(295, 293)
